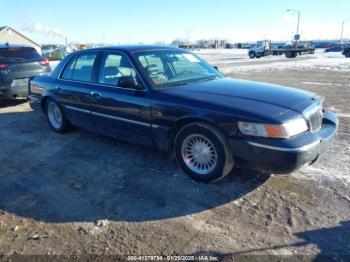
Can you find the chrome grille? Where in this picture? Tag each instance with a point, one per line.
(315, 121)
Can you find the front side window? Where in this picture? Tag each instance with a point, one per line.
(113, 67)
(175, 67)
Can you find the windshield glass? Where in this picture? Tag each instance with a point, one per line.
(175, 67)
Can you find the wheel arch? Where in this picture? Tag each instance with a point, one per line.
(44, 98)
(227, 161)
(180, 123)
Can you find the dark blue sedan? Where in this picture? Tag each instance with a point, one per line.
(170, 99)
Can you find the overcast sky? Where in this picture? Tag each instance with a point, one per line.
(148, 21)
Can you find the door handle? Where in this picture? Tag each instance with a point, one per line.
(96, 95)
(59, 89)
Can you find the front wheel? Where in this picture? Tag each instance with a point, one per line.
(203, 153)
(251, 55)
(347, 54)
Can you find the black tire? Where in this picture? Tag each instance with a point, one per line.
(347, 54)
(64, 124)
(252, 55)
(291, 54)
(224, 162)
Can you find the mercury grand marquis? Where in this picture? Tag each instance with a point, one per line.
(171, 99)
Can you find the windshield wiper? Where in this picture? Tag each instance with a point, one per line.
(178, 84)
(212, 77)
(195, 81)
(207, 78)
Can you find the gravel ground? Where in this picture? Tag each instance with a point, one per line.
(83, 194)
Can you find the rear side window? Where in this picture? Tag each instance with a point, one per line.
(19, 55)
(80, 68)
(68, 71)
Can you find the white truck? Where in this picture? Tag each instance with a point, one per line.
(264, 48)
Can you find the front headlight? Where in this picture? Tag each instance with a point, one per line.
(285, 130)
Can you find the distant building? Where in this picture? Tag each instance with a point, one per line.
(11, 36)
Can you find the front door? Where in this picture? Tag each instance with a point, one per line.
(123, 113)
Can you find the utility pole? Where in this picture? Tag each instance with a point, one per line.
(298, 24)
(188, 38)
(342, 30)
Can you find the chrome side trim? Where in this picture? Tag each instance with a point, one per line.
(121, 119)
(31, 97)
(78, 109)
(110, 116)
(284, 149)
(98, 84)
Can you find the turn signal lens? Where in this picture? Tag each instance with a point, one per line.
(275, 130)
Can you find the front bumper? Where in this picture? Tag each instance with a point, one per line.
(283, 156)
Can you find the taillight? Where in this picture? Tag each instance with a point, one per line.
(4, 66)
(45, 61)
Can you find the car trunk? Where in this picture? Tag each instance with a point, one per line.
(26, 69)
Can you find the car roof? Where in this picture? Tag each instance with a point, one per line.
(131, 48)
(14, 46)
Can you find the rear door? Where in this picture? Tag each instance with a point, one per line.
(123, 113)
(74, 86)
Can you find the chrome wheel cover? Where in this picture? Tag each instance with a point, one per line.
(54, 114)
(199, 154)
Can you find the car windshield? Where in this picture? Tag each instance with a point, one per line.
(168, 68)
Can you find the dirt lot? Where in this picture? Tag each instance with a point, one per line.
(80, 194)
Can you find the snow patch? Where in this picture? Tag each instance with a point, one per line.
(318, 61)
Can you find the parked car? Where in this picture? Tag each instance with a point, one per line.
(170, 99)
(17, 65)
(346, 51)
(336, 48)
(323, 44)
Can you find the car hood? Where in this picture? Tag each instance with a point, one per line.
(261, 98)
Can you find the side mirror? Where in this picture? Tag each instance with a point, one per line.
(129, 82)
(216, 68)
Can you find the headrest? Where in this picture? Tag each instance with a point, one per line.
(152, 69)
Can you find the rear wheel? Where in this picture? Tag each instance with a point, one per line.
(56, 117)
(202, 152)
(291, 54)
